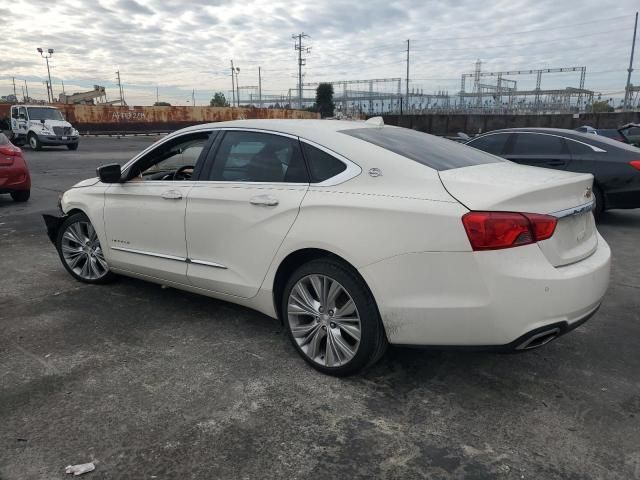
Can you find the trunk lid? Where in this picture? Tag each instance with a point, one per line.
(510, 187)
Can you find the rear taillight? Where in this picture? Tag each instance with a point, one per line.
(635, 164)
(9, 150)
(496, 230)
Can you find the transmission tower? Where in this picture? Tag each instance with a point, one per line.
(301, 48)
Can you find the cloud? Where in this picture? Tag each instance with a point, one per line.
(180, 45)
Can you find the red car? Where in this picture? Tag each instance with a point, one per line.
(14, 173)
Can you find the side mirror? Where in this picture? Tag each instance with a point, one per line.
(42, 121)
(109, 173)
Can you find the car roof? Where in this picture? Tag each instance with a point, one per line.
(311, 129)
(596, 140)
(31, 105)
(554, 131)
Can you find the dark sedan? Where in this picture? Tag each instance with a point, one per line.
(614, 165)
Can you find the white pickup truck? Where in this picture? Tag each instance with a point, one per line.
(39, 126)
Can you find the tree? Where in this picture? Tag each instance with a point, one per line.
(162, 104)
(219, 100)
(601, 106)
(324, 99)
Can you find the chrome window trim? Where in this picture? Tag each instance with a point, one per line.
(352, 170)
(257, 130)
(585, 207)
(595, 149)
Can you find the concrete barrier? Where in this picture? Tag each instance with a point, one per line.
(441, 124)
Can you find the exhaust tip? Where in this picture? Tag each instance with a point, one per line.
(539, 339)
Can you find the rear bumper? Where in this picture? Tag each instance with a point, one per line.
(14, 179)
(494, 299)
(623, 199)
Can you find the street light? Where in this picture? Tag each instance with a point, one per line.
(47, 57)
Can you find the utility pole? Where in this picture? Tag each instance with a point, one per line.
(27, 89)
(193, 97)
(259, 88)
(233, 86)
(24, 99)
(122, 101)
(63, 92)
(238, 86)
(627, 92)
(300, 47)
(407, 95)
(157, 96)
(47, 57)
(15, 94)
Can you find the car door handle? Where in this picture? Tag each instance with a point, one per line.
(265, 200)
(171, 195)
(556, 163)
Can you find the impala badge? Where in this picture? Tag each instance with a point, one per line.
(375, 172)
(588, 192)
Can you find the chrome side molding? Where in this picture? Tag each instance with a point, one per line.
(171, 257)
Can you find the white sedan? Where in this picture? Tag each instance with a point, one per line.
(354, 234)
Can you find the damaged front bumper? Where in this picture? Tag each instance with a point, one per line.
(53, 223)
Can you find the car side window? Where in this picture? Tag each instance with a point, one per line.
(322, 166)
(173, 160)
(22, 112)
(492, 143)
(244, 156)
(577, 148)
(537, 144)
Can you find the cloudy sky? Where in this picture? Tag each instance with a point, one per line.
(179, 46)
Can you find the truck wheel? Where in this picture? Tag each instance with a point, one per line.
(21, 195)
(34, 143)
(72, 146)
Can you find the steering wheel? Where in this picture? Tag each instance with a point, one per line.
(181, 174)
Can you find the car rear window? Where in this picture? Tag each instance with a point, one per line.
(434, 152)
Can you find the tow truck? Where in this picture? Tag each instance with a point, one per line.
(40, 125)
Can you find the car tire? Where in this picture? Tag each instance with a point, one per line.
(72, 146)
(334, 343)
(598, 208)
(34, 142)
(21, 195)
(80, 251)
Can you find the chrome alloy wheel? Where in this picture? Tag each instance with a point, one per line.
(82, 252)
(324, 320)
(33, 142)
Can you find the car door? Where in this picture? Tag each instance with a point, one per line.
(238, 216)
(144, 215)
(21, 121)
(538, 150)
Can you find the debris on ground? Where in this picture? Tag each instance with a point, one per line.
(80, 469)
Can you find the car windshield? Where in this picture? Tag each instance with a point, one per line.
(434, 152)
(43, 113)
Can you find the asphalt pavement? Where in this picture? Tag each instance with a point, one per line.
(157, 383)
